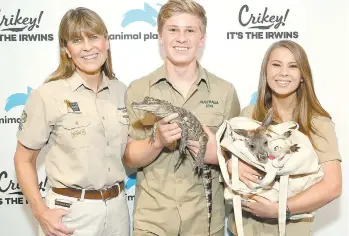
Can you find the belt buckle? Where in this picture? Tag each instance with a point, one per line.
(119, 188)
(101, 191)
(106, 189)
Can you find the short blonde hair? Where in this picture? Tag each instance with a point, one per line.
(173, 7)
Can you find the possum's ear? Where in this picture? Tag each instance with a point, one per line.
(242, 132)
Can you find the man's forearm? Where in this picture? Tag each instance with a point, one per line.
(140, 153)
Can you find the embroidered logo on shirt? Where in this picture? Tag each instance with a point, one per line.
(209, 103)
(123, 116)
(23, 120)
(72, 106)
(123, 109)
(78, 133)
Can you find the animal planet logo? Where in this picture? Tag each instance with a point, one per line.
(147, 15)
(18, 23)
(262, 21)
(130, 181)
(254, 98)
(15, 100)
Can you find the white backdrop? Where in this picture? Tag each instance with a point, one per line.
(233, 51)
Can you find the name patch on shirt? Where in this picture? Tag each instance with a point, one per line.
(72, 106)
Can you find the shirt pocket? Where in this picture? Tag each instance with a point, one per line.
(76, 131)
(211, 120)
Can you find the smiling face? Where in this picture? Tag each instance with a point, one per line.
(88, 52)
(283, 74)
(181, 38)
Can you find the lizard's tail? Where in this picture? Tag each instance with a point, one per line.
(207, 181)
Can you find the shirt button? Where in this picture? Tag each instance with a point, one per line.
(103, 118)
(109, 169)
(180, 181)
(77, 122)
(107, 143)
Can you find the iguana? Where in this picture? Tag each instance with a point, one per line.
(191, 130)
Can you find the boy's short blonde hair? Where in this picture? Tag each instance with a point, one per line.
(173, 7)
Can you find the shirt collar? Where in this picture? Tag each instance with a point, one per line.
(161, 75)
(75, 82)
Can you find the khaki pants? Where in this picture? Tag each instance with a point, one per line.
(269, 227)
(93, 217)
(146, 233)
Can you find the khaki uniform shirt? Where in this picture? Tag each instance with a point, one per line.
(168, 202)
(269, 227)
(82, 135)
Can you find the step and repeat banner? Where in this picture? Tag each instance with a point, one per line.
(238, 34)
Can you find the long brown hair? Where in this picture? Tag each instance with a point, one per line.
(307, 106)
(73, 23)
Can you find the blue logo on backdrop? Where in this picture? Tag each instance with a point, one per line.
(17, 99)
(130, 181)
(148, 15)
(254, 98)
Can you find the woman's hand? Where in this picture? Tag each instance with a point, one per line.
(261, 207)
(247, 173)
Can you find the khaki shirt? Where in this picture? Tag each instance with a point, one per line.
(328, 152)
(82, 135)
(168, 202)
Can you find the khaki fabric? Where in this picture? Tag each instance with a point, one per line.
(329, 151)
(254, 226)
(146, 233)
(82, 135)
(168, 202)
(92, 217)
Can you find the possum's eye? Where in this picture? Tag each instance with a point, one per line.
(252, 146)
(265, 143)
(276, 148)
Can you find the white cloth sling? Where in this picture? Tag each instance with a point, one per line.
(302, 166)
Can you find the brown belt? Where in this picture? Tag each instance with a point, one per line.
(103, 194)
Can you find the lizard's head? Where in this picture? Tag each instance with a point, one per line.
(155, 106)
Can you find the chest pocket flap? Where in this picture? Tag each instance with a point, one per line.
(75, 122)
